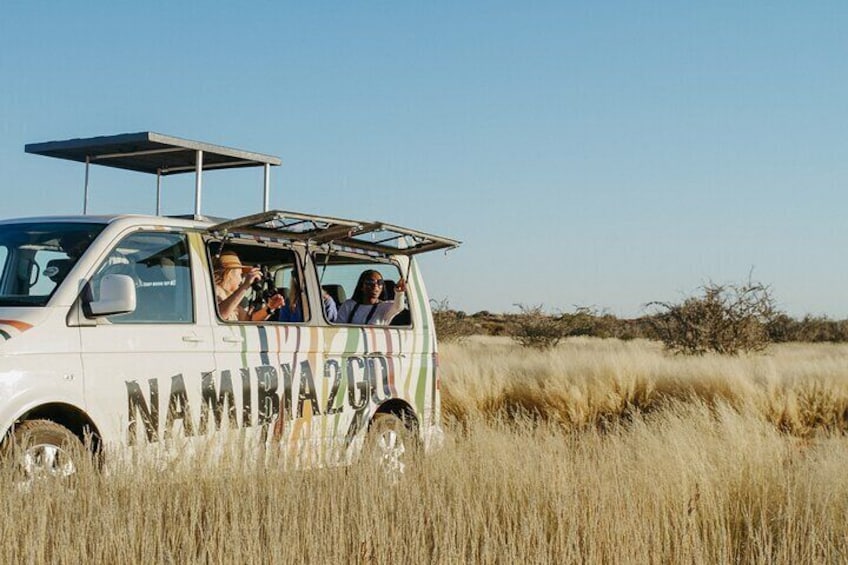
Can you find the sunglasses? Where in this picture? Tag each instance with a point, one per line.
(374, 283)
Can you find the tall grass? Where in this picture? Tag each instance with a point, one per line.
(697, 469)
(800, 388)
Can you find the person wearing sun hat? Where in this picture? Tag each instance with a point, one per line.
(232, 282)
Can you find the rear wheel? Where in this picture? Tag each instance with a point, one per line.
(39, 449)
(391, 445)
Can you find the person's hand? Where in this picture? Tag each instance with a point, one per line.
(252, 275)
(265, 311)
(400, 286)
(276, 302)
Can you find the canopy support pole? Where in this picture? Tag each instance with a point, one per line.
(198, 182)
(158, 192)
(85, 189)
(267, 186)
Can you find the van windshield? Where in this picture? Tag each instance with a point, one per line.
(36, 257)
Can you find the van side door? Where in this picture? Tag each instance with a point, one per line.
(144, 370)
(270, 361)
(371, 358)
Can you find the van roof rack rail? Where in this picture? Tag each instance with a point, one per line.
(155, 153)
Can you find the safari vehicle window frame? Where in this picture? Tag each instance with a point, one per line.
(4, 258)
(242, 240)
(98, 264)
(95, 230)
(363, 259)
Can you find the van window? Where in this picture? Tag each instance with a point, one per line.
(159, 265)
(35, 258)
(281, 274)
(44, 284)
(339, 275)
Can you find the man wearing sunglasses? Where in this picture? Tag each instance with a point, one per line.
(366, 308)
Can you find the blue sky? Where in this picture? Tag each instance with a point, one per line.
(603, 154)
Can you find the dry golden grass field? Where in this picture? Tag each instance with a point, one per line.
(598, 451)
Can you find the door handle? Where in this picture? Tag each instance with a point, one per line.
(232, 339)
(192, 339)
(383, 354)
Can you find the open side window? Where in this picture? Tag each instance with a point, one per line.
(342, 281)
(281, 274)
(342, 250)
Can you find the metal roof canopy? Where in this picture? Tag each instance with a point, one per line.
(341, 234)
(154, 153)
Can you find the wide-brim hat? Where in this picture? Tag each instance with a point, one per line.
(229, 260)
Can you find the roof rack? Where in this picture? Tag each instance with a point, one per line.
(373, 238)
(154, 153)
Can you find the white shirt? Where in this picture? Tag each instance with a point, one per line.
(383, 311)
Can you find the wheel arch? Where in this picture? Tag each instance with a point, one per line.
(68, 416)
(402, 410)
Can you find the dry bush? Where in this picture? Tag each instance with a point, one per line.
(810, 329)
(490, 323)
(451, 325)
(583, 321)
(533, 328)
(595, 322)
(725, 318)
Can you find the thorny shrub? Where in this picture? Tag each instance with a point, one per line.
(532, 327)
(725, 318)
(451, 325)
(809, 329)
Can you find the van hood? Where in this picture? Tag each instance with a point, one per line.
(15, 321)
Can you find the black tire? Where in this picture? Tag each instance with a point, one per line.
(39, 449)
(391, 446)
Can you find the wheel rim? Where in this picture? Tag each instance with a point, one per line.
(390, 452)
(47, 460)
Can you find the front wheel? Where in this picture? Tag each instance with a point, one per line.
(39, 449)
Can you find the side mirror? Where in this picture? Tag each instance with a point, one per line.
(117, 296)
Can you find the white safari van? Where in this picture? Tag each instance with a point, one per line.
(112, 332)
